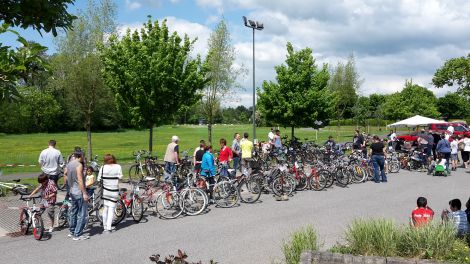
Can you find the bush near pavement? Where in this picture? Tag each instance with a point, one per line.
(300, 241)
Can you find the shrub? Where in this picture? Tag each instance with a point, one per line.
(301, 240)
(373, 237)
(429, 241)
(460, 252)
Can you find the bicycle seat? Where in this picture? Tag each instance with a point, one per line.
(123, 189)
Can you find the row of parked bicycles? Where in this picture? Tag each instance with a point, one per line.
(278, 172)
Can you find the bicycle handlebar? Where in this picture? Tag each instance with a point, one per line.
(29, 198)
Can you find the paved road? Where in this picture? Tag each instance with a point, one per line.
(248, 233)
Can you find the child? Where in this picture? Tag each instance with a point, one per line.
(440, 161)
(422, 214)
(48, 190)
(90, 180)
(457, 216)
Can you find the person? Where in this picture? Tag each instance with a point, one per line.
(440, 161)
(457, 216)
(236, 152)
(277, 140)
(171, 158)
(225, 156)
(197, 155)
(450, 130)
(247, 149)
(208, 170)
(48, 190)
(392, 139)
(50, 160)
(378, 159)
(467, 211)
(76, 182)
(466, 150)
(89, 181)
(422, 214)
(443, 147)
(271, 136)
(110, 174)
(454, 152)
(330, 143)
(358, 140)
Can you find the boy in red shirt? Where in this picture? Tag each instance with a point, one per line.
(422, 214)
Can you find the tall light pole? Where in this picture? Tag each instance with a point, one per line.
(258, 26)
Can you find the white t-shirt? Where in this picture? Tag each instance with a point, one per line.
(50, 160)
(454, 147)
(271, 136)
(466, 141)
(393, 137)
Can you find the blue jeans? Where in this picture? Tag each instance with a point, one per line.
(236, 164)
(77, 215)
(379, 162)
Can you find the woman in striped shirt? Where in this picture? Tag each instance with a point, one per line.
(110, 174)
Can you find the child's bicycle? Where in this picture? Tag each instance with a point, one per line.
(439, 170)
(30, 216)
(15, 187)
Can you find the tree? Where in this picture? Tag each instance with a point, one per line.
(44, 15)
(361, 110)
(80, 73)
(300, 96)
(221, 74)
(152, 74)
(453, 106)
(412, 100)
(455, 71)
(344, 84)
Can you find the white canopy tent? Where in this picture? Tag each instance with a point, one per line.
(415, 121)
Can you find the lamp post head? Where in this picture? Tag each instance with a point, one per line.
(253, 24)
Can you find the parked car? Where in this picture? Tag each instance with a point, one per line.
(459, 129)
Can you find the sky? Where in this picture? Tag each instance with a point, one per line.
(392, 40)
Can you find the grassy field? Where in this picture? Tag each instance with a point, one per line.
(25, 149)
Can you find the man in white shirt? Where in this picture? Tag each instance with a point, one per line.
(271, 136)
(50, 160)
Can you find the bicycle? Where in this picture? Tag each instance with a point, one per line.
(132, 203)
(15, 187)
(30, 216)
(148, 169)
(94, 206)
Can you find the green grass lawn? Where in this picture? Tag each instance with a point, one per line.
(25, 148)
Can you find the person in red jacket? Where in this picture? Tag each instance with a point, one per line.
(225, 156)
(422, 214)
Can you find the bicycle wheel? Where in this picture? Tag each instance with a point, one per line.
(283, 184)
(342, 177)
(119, 212)
(359, 174)
(62, 217)
(38, 230)
(249, 190)
(330, 180)
(319, 180)
(225, 194)
(301, 182)
(194, 201)
(394, 166)
(134, 173)
(137, 209)
(24, 222)
(170, 205)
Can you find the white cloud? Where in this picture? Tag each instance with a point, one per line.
(132, 5)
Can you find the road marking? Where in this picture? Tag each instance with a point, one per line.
(13, 207)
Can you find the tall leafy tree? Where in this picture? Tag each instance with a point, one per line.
(453, 106)
(47, 15)
(361, 110)
(299, 97)
(152, 74)
(79, 70)
(344, 84)
(455, 71)
(412, 100)
(221, 74)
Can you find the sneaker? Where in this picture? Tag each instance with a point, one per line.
(70, 235)
(82, 237)
(51, 229)
(106, 231)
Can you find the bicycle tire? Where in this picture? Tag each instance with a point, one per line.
(282, 185)
(330, 180)
(169, 205)
(61, 185)
(301, 182)
(359, 174)
(62, 217)
(24, 222)
(249, 191)
(120, 213)
(38, 230)
(342, 177)
(134, 171)
(318, 182)
(137, 209)
(225, 194)
(194, 201)
(394, 167)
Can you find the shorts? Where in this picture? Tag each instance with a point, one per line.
(454, 157)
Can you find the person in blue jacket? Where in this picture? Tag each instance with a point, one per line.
(208, 170)
(443, 147)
